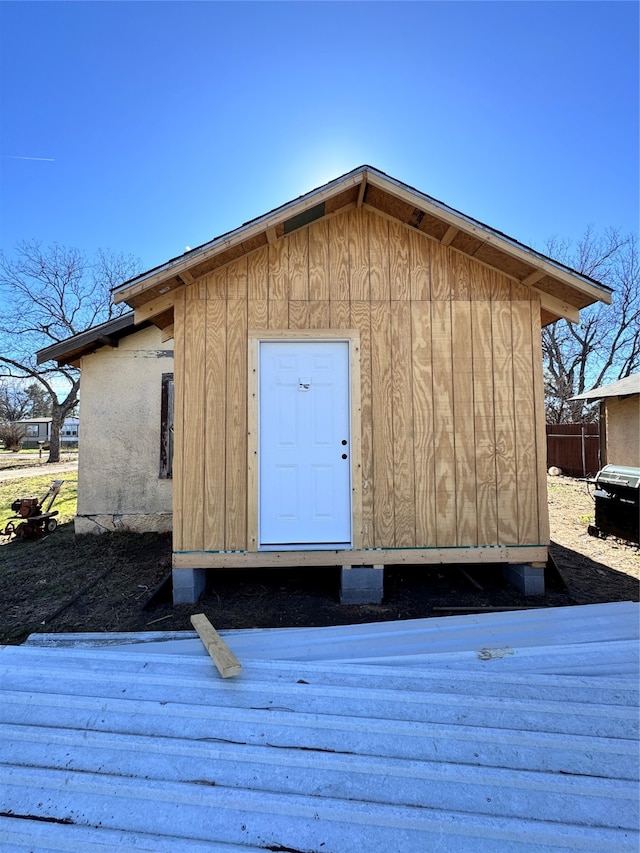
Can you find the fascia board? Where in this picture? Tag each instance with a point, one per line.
(233, 238)
(482, 232)
(593, 290)
(91, 336)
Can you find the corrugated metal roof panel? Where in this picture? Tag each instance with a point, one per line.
(111, 748)
(382, 641)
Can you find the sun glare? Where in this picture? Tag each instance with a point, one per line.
(321, 165)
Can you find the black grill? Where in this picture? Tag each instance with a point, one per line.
(617, 503)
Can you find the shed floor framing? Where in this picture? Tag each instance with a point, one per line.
(365, 557)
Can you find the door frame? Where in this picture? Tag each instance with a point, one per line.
(255, 337)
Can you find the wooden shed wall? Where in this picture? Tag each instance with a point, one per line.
(452, 420)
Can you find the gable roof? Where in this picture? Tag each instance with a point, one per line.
(621, 388)
(563, 291)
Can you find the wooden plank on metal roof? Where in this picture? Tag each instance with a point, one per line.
(226, 662)
(532, 627)
(430, 751)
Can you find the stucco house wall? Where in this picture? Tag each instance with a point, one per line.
(118, 470)
(622, 416)
(619, 420)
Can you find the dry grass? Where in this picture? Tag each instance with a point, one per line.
(571, 509)
(38, 486)
(88, 583)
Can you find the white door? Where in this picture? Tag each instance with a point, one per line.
(304, 445)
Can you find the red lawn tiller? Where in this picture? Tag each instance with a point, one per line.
(34, 515)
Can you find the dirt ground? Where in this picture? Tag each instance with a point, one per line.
(119, 583)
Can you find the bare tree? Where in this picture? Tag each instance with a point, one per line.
(605, 345)
(14, 402)
(49, 295)
(19, 400)
(11, 435)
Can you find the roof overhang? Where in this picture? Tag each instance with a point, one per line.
(70, 351)
(562, 290)
(622, 388)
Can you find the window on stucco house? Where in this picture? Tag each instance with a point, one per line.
(166, 427)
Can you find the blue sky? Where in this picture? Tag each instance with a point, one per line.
(163, 124)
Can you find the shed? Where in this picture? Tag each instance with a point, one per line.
(358, 383)
(619, 420)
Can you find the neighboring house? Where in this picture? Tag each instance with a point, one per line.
(125, 369)
(619, 420)
(358, 382)
(69, 432)
(37, 431)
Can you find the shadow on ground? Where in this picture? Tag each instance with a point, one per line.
(590, 582)
(121, 582)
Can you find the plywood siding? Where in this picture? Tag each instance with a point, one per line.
(452, 430)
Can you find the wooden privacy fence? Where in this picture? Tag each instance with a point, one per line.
(575, 448)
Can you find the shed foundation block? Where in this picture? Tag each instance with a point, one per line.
(362, 584)
(529, 579)
(188, 585)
